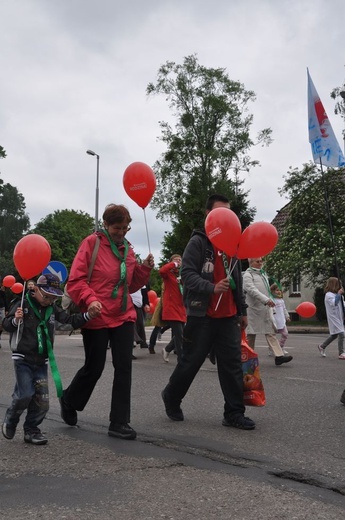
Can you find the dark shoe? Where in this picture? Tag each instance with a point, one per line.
(35, 437)
(152, 350)
(279, 360)
(122, 431)
(68, 414)
(342, 399)
(173, 412)
(8, 430)
(239, 421)
(143, 345)
(212, 357)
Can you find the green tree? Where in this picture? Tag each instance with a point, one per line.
(2, 153)
(207, 151)
(14, 222)
(305, 246)
(64, 230)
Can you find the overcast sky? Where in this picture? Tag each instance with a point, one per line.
(74, 75)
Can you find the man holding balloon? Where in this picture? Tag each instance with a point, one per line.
(216, 314)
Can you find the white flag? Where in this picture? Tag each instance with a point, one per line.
(324, 144)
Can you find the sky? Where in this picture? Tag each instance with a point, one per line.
(74, 75)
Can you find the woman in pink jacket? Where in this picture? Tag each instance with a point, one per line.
(116, 273)
(173, 310)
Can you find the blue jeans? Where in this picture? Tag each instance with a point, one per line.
(223, 335)
(30, 393)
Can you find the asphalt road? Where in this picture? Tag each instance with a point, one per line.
(290, 467)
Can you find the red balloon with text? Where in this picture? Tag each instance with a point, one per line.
(223, 229)
(139, 182)
(31, 255)
(258, 239)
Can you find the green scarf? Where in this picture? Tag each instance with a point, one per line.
(123, 269)
(265, 279)
(227, 272)
(42, 329)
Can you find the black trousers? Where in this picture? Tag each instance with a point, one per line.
(95, 346)
(199, 335)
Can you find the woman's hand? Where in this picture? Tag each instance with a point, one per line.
(149, 261)
(94, 309)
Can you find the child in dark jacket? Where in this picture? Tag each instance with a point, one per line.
(32, 346)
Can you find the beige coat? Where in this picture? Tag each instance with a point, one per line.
(256, 290)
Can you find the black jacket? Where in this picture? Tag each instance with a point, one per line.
(27, 347)
(197, 276)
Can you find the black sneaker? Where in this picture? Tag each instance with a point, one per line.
(8, 430)
(342, 399)
(279, 360)
(35, 437)
(68, 414)
(173, 412)
(122, 431)
(240, 421)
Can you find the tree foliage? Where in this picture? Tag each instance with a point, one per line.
(305, 247)
(14, 222)
(64, 230)
(206, 151)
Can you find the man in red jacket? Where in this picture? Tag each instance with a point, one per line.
(173, 310)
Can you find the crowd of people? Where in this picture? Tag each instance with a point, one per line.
(206, 309)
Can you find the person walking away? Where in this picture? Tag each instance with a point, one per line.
(212, 322)
(173, 310)
(36, 322)
(139, 329)
(116, 274)
(335, 316)
(260, 309)
(281, 316)
(3, 307)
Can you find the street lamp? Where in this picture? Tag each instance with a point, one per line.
(90, 152)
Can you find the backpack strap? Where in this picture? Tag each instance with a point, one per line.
(93, 258)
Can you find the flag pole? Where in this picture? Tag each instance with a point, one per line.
(325, 192)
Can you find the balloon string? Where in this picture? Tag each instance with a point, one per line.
(147, 232)
(230, 272)
(21, 304)
(218, 302)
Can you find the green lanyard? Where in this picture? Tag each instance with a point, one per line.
(123, 270)
(227, 272)
(42, 328)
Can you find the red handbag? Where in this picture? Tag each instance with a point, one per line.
(254, 393)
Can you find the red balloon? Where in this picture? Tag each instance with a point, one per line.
(153, 305)
(306, 310)
(8, 281)
(17, 288)
(152, 296)
(223, 229)
(31, 255)
(139, 182)
(258, 239)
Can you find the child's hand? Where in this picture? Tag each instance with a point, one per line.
(18, 315)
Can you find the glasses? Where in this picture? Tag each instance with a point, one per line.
(118, 229)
